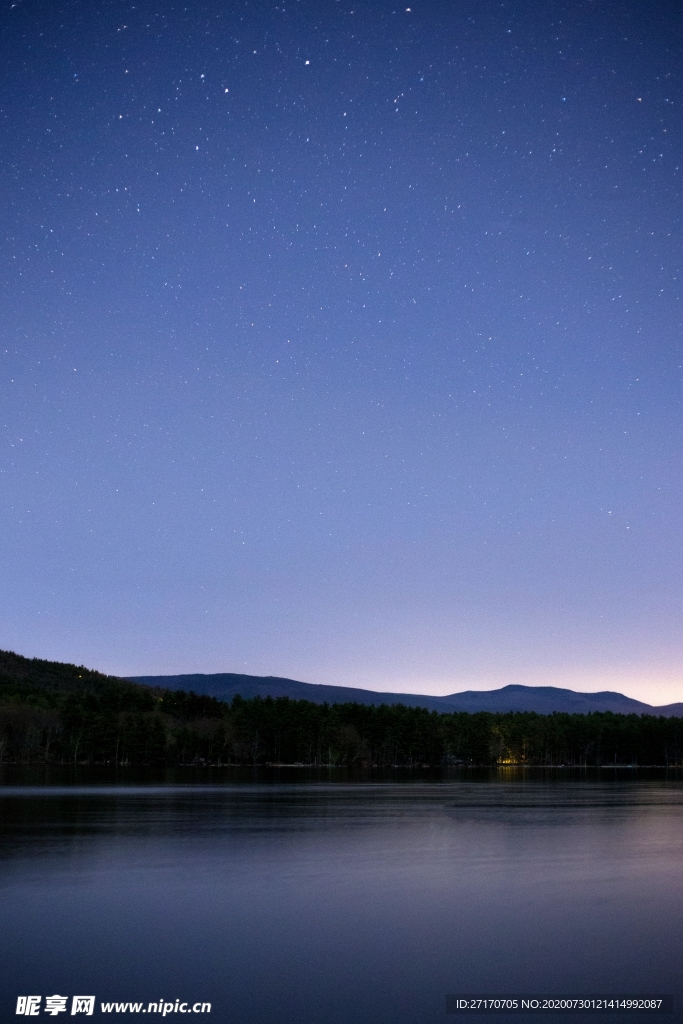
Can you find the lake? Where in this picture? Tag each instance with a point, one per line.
(293, 897)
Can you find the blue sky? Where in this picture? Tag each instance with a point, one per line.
(343, 341)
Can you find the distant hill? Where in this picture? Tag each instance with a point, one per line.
(52, 675)
(542, 699)
(58, 677)
(52, 713)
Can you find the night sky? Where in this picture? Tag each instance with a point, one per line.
(342, 341)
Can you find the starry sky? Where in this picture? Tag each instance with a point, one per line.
(342, 341)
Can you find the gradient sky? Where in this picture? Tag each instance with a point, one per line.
(342, 341)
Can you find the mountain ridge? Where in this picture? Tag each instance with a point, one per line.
(57, 713)
(514, 697)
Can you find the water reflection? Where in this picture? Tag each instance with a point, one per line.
(306, 899)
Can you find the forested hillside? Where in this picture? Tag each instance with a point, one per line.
(55, 713)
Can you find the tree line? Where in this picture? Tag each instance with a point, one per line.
(64, 714)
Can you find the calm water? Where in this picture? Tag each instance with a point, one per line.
(307, 900)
